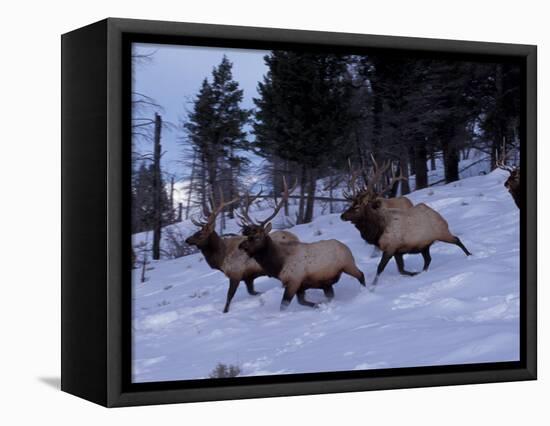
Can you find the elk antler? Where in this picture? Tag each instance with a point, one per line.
(392, 181)
(284, 197)
(501, 160)
(246, 220)
(243, 215)
(215, 210)
(353, 188)
(378, 172)
(198, 223)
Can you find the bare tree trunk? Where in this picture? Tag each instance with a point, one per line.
(412, 160)
(212, 175)
(420, 165)
(222, 222)
(204, 187)
(301, 205)
(432, 162)
(310, 205)
(144, 260)
(231, 183)
(172, 199)
(143, 265)
(157, 225)
(403, 163)
(330, 193)
(500, 130)
(190, 190)
(180, 211)
(450, 160)
(378, 110)
(285, 173)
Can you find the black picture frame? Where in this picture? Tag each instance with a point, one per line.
(95, 227)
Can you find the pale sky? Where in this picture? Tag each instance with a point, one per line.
(173, 77)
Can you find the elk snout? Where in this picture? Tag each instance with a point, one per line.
(346, 216)
(244, 246)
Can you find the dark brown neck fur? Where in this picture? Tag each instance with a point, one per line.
(270, 258)
(214, 251)
(513, 185)
(371, 225)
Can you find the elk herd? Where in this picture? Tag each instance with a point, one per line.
(394, 225)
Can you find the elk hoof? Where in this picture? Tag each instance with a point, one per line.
(284, 305)
(255, 293)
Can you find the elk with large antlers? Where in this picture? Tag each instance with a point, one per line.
(297, 265)
(223, 254)
(397, 231)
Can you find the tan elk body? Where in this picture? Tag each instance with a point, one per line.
(315, 265)
(411, 230)
(298, 265)
(396, 203)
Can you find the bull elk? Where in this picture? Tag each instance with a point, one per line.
(223, 254)
(397, 231)
(298, 265)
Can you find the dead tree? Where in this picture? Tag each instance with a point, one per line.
(157, 188)
(190, 187)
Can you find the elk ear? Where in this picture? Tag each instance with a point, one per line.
(376, 204)
(268, 228)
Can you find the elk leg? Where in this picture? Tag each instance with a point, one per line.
(427, 257)
(383, 262)
(356, 273)
(459, 244)
(233, 284)
(287, 297)
(401, 266)
(329, 292)
(250, 287)
(302, 299)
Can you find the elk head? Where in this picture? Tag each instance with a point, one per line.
(513, 171)
(513, 181)
(207, 223)
(369, 193)
(257, 231)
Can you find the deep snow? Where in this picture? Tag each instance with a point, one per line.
(463, 310)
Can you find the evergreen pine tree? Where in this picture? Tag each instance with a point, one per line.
(303, 115)
(215, 131)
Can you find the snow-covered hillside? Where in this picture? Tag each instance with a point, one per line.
(463, 310)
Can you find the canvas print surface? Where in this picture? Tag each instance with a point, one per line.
(305, 212)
